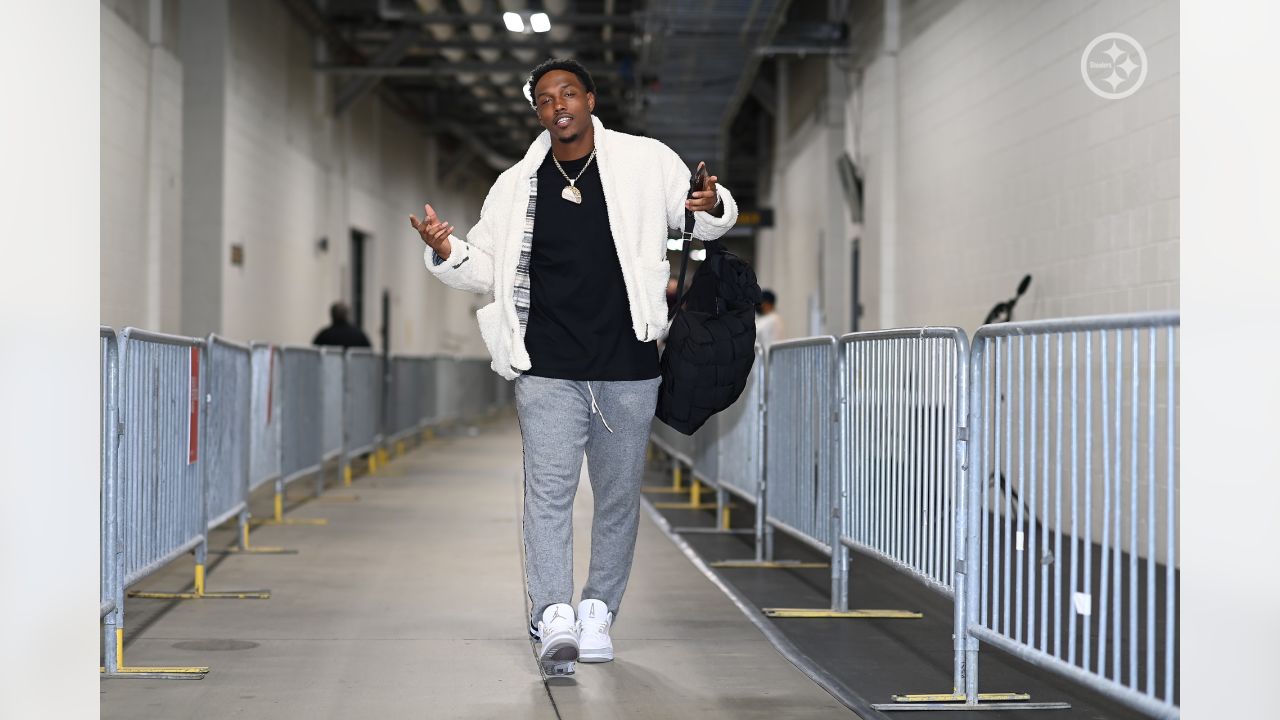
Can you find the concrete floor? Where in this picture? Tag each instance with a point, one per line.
(410, 604)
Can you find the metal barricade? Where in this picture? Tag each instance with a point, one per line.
(111, 595)
(448, 390)
(363, 402)
(405, 396)
(801, 487)
(227, 431)
(741, 448)
(1072, 501)
(902, 410)
(473, 395)
(706, 452)
(161, 452)
(331, 396)
(741, 438)
(672, 442)
(265, 415)
(431, 391)
(301, 449)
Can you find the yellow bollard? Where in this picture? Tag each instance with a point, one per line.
(279, 507)
(199, 579)
(695, 494)
(675, 478)
(346, 475)
(724, 519)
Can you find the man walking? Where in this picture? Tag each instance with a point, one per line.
(571, 242)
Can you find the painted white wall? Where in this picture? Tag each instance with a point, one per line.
(995, 160)
(141, 178)
(1005, 164)
(290, 174)
(1010, 165)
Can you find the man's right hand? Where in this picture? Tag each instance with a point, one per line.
(434, 232)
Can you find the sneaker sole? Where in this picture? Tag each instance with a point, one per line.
(558, 656)
(595, 656)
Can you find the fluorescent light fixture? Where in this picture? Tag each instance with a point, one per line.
(698, 255)
(540, 22)
(673, 244)
(513, 21)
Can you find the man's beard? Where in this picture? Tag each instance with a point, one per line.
(571, 138)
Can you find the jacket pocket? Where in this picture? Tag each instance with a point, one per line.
(653, 286)
(495, 340)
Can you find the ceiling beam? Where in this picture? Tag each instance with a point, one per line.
(495, 19)
(426, 44)
(389, 56)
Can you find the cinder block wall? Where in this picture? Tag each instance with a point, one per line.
(1009, 165)
(290, 173)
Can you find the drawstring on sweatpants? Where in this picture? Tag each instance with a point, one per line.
(595, 409)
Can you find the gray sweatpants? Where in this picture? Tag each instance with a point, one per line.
(558, 425)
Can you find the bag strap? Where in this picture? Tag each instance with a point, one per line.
(686, 239)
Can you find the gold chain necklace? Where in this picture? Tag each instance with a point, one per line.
(572, 193)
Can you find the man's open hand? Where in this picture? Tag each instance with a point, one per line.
(435, 233)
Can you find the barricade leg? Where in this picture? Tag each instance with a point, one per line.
(248, 548)
(677, 485)
(199, 592)
(343, 470)
(278, 517)
(115, 666)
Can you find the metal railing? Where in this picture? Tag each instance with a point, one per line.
(301, 449)
(265, 413)
(903, 404)
(161, 497)
(1031, 478)
(362, 419)
(1073, 502)
(801, 489)
(228, 413)
(406, 397)
(332, 382)
(107, 485)
(190, 427)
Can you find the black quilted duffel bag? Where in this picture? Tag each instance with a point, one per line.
(711, 345)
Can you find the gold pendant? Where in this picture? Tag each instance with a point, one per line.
(572, 194)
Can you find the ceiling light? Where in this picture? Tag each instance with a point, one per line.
(540, 22)
(513, 21)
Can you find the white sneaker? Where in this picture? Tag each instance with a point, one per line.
(559, 638)
(594, 621)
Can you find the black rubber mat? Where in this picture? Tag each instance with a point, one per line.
(875, 658)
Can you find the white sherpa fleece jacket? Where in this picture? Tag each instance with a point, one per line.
(645, 185)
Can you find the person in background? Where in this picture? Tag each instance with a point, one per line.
(768, 322)
(340, 331)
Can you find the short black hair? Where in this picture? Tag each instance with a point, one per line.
(339, 313)
(767, 296)
(567, 64)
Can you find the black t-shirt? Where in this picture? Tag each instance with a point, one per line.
(342, 334)
(579, 319)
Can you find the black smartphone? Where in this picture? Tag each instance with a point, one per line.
(699, 178)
